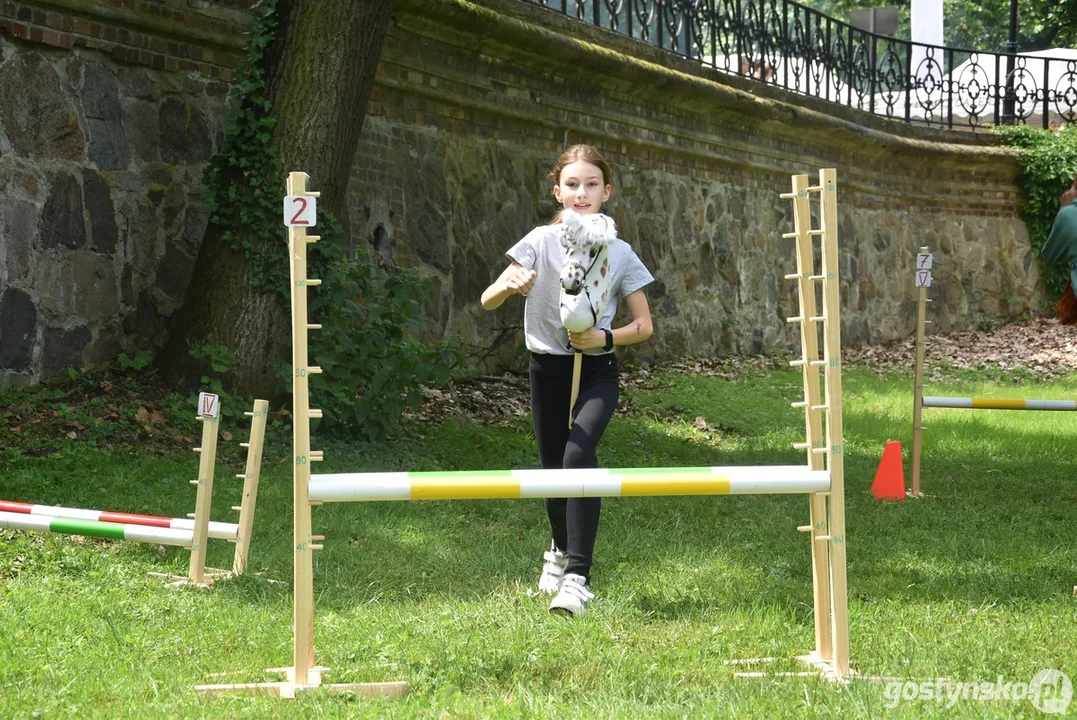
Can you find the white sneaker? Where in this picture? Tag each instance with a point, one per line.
(573, 598)
(553, 571)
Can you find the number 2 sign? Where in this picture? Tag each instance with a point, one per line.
(300, 210)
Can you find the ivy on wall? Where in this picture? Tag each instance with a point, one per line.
(1048, 166)
(243, 179)
(373, 365)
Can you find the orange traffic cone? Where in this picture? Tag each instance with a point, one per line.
(889, 481)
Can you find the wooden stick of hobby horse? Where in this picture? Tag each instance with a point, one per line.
(577, 365)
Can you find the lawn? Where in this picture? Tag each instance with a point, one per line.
(971, 584)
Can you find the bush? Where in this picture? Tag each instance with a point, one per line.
(372, 363)
(1048, 165)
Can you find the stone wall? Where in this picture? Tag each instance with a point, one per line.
(110, 109)
(109, 112)
(474, 100)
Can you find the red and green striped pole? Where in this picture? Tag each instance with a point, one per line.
(96, 528)
(218, 530)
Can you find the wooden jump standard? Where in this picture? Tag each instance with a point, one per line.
(924, 263)
(822, 481)
(191, 532)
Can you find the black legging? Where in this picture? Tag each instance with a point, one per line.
(573, 521)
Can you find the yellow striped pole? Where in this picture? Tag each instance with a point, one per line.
(998, 403)
(588, 482)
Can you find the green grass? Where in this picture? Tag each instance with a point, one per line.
(971, 583)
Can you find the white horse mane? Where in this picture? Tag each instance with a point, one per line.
(585, 274)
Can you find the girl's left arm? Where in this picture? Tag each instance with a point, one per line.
(637, 331)
(640, 329)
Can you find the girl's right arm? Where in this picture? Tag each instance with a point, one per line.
(515, 280)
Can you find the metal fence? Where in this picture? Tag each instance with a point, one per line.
(788, 45)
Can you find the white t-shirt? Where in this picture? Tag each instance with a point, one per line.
(540, 251)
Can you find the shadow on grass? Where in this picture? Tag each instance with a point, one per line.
(994, 528)
(997, 533)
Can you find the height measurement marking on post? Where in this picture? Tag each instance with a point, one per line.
(923, 278)
(300, 210)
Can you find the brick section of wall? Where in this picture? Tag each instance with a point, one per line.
(678, 117)
(156, 34)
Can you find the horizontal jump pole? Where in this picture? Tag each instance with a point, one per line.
(218, 530)
(998, 403)
(94, 528)
(585, 482)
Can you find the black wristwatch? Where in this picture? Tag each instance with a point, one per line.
(609, 339)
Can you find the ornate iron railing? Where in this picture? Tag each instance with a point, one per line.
(783, 43)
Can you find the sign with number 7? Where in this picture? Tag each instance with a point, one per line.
(300, 211)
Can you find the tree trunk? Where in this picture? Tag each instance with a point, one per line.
(320, 71)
